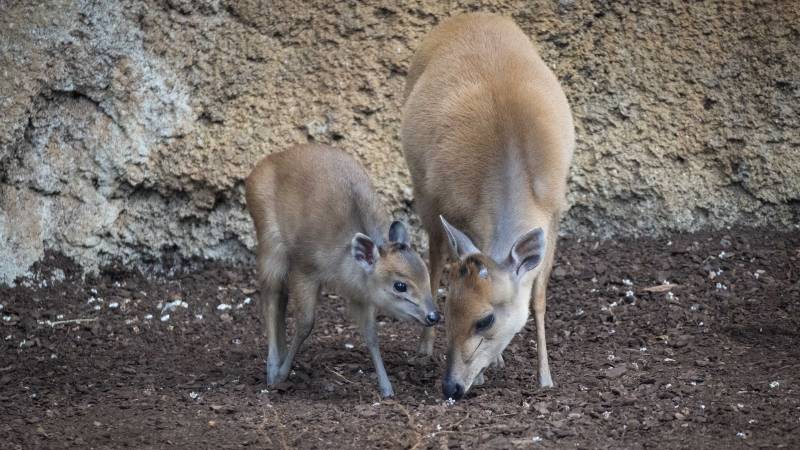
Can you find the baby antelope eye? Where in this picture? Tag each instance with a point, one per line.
(484, 324)
(399, 286)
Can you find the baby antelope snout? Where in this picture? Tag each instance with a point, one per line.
(452, 390)
(433, 318)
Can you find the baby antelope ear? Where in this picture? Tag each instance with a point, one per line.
(460, 245)
(526, 253)
(364, 251)
(398, 233)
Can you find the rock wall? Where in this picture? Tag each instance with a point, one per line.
(128, 126)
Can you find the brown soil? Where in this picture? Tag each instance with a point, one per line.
(714, 364)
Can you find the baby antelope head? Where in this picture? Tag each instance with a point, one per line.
(487, 304)
(397, 280)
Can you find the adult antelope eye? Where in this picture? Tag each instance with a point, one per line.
(399, 286)
(484, 324)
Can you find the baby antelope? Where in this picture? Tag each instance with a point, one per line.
(319, 222)
(488, 136)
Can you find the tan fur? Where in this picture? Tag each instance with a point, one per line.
(308, 205)
(488, 136)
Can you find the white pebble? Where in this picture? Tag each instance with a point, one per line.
(348, 346)
(148, 317)
(93, 291)
(627, 282)
(174, 304)
(1, 306)
(247, 301)
(165, 317)
(97, 307)
(223, 306)
(59, 317)
(113, 305)
(537, 439)
(629, 294)
(741, 435)
(721, 287)
(774, 384)
(198, 316)
(670, 296)
(450, 401)
(6, 318)
(606, 414)
(193, 395)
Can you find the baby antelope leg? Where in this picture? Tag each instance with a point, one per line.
(366, 316)
(305, 291)
(273, 309)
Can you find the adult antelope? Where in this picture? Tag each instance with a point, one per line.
(488, 137)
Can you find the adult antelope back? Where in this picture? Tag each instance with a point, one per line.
(488, 137)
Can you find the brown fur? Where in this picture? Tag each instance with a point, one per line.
(309, 205)
(488, 137)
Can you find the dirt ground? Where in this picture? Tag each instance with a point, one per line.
(710, 362)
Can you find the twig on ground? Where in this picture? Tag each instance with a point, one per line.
(457, 424)
(412, 425)
(280, 427)
(62, 322)
(339, 375)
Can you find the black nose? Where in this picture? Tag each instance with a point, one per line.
(452, 390)
(433, 318)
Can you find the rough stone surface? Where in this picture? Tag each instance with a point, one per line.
(127, 127)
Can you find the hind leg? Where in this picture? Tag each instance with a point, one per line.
(306, 291)
(273, 312)
(274, 296)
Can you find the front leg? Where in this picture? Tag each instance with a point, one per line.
(436, 256)
(366, 318)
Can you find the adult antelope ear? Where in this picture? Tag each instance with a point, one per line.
(364, 251)
(527, 253)
(460, 245)
(398, 233)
